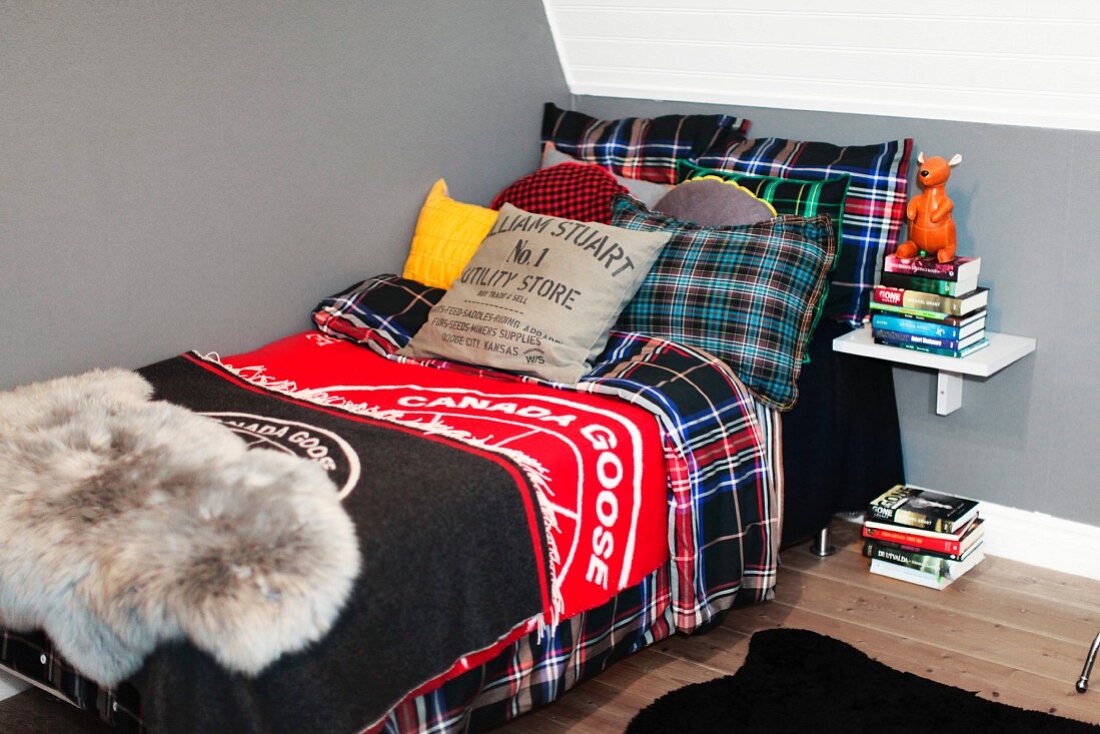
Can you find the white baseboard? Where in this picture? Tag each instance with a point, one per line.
(10, 685)
(1040, 540)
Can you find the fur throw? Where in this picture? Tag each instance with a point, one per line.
(126, 522)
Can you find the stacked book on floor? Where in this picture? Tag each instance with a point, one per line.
(923, 537)
(930, 306)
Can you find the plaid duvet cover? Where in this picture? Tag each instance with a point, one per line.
(724, 526)
(536, 672)
(725, 506)
(724, 509)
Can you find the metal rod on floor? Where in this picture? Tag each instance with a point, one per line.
(821, 547)
(1083, 681)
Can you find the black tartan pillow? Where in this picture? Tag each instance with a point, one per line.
(874, 205)
(393, 305)
(639, 147)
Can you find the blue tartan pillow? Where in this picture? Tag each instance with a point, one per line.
(874, 207)
(639, 147)
(746, 294)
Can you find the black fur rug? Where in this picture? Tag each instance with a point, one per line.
(800, 681)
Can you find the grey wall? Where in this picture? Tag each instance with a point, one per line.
(1024, 202)
(199, 174)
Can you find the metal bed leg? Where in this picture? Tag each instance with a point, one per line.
(1083, 681)
(821, 546)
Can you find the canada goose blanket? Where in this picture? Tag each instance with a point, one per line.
(483, 510)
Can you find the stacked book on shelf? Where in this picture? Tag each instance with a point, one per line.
(923, 537)
(929, 306)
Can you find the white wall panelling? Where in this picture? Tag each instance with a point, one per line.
(1012, 62)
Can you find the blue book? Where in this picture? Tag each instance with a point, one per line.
(905, 325)
(982, 343)
(900, 337)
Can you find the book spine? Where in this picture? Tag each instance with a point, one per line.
(958, 353)
(913, 576)
(905, 547)
(918, 300)
(928, 285)
(935, 317)
(910, 559)
(923, 268)
(914, 326)
(903, 537)
(903, 337)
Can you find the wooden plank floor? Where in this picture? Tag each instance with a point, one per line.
(1015, 633)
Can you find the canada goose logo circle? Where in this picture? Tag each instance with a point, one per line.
(319, 445)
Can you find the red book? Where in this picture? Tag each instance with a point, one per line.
(961, 268)
(953, 544)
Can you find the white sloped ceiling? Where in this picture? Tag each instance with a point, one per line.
(1015, 62)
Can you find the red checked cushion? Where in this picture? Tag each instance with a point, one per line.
(578, 191)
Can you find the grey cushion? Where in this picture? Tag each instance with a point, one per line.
(714, 203)
(539, 296)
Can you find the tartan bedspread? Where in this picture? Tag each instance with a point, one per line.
(725, 489)
(724, 514)
(725, 507)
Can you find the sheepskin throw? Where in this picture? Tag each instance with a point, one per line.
(126, 522)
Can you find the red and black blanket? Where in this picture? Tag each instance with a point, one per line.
(484, 509)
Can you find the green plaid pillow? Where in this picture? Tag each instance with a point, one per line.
(787, 195)
(746, 294)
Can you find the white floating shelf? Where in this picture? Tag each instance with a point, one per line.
(1003, 350)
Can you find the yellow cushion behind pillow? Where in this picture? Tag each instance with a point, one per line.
(448, 233)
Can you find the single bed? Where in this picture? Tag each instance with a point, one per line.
(731, 492)
(669, 418)
(674, 482)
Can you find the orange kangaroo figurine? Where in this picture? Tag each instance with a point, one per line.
(931, 227)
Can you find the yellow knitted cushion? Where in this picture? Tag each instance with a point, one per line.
(448, 233)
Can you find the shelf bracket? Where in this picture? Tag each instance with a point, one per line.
(1003, 350)
(949, 392)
